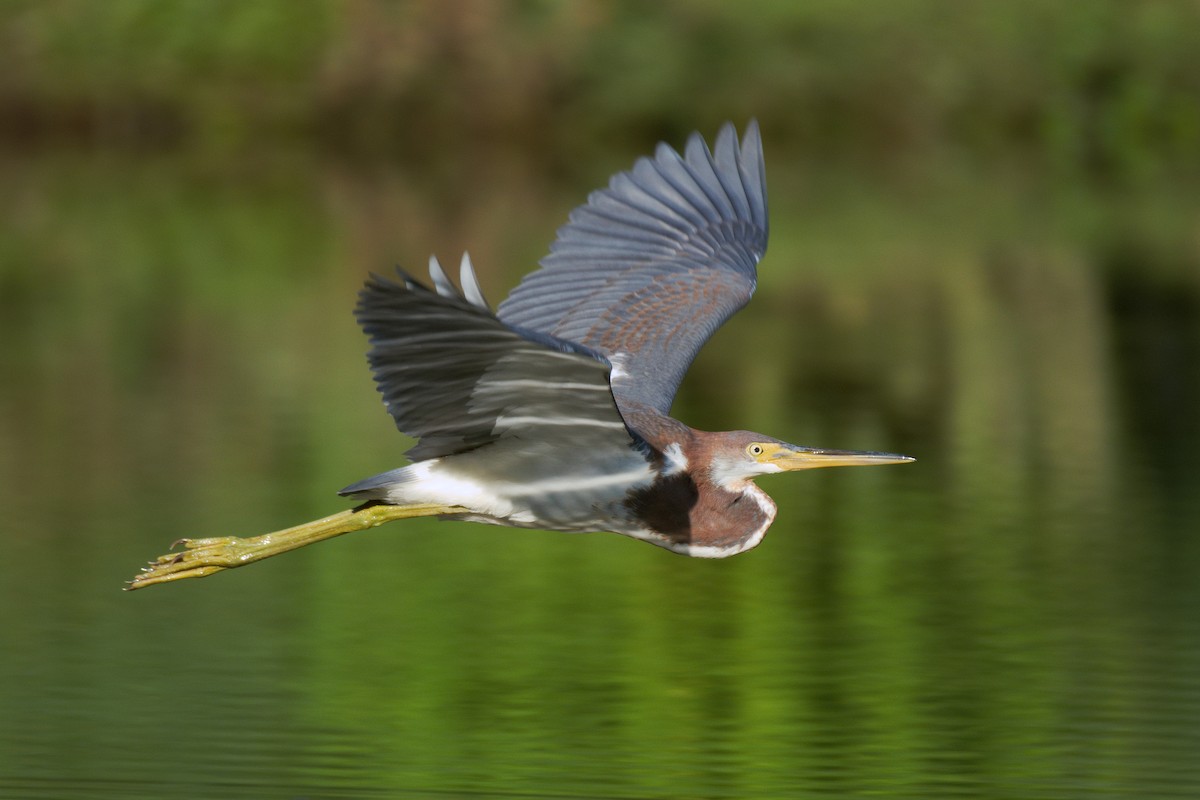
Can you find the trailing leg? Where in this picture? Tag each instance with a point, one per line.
(201, 557)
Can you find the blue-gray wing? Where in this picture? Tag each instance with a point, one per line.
(651, 266)
(457, 378)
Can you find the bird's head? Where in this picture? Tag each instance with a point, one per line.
(739, 456)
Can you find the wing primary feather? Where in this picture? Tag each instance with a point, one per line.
(440, 280)
(470, 284)
(725, 152)
(630, 189)
(704, 172)
(753, 172)
(653, 178)
(679, 175)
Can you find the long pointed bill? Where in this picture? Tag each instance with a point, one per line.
(792, 458)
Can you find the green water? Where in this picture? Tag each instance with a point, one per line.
(1015, 615)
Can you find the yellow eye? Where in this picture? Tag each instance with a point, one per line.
(755, 450)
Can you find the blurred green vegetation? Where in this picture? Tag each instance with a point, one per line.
(984, 252)
(1015, 615)
(1105, 85)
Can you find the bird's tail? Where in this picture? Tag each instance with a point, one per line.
(378, 486)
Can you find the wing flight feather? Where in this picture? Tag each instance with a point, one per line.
(651, 266)
(457, 378)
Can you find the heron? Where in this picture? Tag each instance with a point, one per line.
(552, 411)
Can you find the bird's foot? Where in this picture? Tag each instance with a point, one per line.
(199, 557)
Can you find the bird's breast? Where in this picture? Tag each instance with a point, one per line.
(702, 520)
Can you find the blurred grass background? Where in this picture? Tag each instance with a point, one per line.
(1105, 85)
(945, 169)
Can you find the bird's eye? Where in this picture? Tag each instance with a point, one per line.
(755, 449)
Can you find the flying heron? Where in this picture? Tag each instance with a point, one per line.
(552, 411)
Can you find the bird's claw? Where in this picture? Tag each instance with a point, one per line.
(199, 557)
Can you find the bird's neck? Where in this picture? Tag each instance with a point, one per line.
(686, 505)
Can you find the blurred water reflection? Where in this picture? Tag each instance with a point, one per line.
(1013, 616)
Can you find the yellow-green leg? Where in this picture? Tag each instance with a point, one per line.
(205, 556)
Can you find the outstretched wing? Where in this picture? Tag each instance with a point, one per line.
(650, 267)
(456, 377)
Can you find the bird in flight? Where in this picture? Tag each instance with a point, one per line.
(552, 411)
